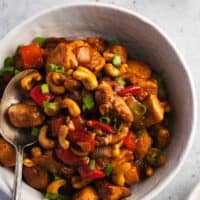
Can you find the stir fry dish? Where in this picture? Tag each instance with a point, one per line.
(100, 118)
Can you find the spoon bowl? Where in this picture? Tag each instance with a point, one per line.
(19, 138)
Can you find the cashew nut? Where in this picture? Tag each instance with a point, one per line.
(28, 81)
(28, 162)
(45, 142)
(36, 152)
(78, 182)
(114, 71)
(72, 107)
(54, 186)
(58, 78)
(56, 89)
(87, 77)
(63, 132)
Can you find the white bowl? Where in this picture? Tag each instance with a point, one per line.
(145, 41)
(195, 194)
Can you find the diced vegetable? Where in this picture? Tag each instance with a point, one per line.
(67, 157)
(50, 105)
(37, 95)
(88, 174)
(92, 164)
(155, 157)
(79, 123)
(105, 120)
(120, 81)
(8, 62)
(56, 68)
(55, 196)
(45, 88)
(98, 124)
(88, 102)
(31, 56)
(116, 60)
(108, 170)
(77, 136)
(130, 141)
(35, 131)
(140, 109)
(39, 40)
(130, 90)
(56, 177)
(138, 133)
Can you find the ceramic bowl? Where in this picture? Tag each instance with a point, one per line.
(145, 41)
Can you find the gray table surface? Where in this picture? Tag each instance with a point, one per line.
(180, 19)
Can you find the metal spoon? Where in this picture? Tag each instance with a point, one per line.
(17, 137)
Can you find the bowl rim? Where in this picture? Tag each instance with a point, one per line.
(156, 28)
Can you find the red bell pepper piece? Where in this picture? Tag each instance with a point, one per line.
(130, 141)
(102, 126)
(86, 173)
(31, 56)
(37, 95)
(67, 157)
(130, 90)
(76, 136)
(55, 125)
(79, 123)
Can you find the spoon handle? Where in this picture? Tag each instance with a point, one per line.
(18, 174)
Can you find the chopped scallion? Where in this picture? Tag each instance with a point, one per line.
(108, 169)
(40, 40)
(159, 79)
(88, 102)
(56, 177)
(56, 68)
(8, 62)
(138, 133)
(105, 120)
(119, 125)
(16, 71)
(50, 105)
(92, 164)
(112, 42)
(140, 109)
(45, 88)
(35, 131)
(116, 60)
(51, 196)
(7, 71)
(120, 81)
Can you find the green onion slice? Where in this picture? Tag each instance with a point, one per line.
(159, 79)
(16, 71)
(116, 60)
(120, 81)
(45, 88)
(7, 71)
(56, 177)
(88, 102)
(39, 40)
(140, 109)
(119, 125)
(8, 62)
(50, 105)
(112, 42)
(56, 68)
(138, 133)
(51, 196)
(35, 131)
(92, 164)
(105, 120)
(108, 170)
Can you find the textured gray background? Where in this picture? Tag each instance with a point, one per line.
(180, 19)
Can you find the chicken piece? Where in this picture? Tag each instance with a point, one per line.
(64, 54)
(107, 191)
(47, 162)
(137, 71)
(110, 103)
(97, 43)
(161, 136)
(155, 110)
(7, 154)
(36, 177)
(71, 83)
(108, 139)
(124, 156)
(115, 50)
(125, 173)
(86, 193)
(144, 143)
(23, 115)
(90, 58)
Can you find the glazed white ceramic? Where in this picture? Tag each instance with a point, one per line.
(144, 40)
(195, 194)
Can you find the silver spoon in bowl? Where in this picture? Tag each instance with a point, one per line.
(17, 137)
